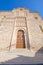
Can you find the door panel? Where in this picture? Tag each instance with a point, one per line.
(20, 39)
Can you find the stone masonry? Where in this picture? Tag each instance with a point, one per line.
(20, 19)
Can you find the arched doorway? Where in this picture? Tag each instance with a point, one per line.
(20, 43)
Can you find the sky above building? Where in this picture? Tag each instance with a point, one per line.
(32, 5)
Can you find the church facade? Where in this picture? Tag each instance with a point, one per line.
(20, 29)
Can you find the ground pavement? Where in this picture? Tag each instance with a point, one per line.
(21, 56)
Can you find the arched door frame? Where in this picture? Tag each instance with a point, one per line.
(24, 29)
(15, 36)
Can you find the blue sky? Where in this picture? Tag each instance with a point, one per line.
(33, 5)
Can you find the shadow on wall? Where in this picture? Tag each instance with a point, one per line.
(38, 59)
(40, 50)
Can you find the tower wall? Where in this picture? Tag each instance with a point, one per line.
(20, 18)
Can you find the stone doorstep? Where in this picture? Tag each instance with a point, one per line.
(23, 52)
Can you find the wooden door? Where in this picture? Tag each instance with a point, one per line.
(20, 39)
